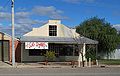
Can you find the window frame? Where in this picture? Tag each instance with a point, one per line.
(52, 30)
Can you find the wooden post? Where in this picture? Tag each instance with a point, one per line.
(79, 59)
(89, 62)
(96, 62)
(86, 62)
(79, 64)
(96, 54)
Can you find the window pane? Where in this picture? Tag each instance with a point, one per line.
(52, 30)
(36, 52)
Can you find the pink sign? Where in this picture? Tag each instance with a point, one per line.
(36, 45)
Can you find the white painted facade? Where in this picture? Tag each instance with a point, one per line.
(43, 31)
(62, 31)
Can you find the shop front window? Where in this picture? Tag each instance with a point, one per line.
(59, 49)
(62, 50)
(36, 52)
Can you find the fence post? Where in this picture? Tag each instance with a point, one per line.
(78, 63)
(96, 62)
(89, 62)
(86, 62)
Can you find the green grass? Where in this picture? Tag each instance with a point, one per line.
(110, 61)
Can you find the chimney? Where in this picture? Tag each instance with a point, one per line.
(54, 21)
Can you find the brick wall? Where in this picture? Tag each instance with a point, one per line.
(17, 51)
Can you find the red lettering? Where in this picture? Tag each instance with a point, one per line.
(41, 44)
(36, 44)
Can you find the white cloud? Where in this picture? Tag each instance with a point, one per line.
(5, 16)
(21, 9)
(18, 15)
(21, 26)
(3, 8)
(20, 29)
(27, 26)
(22, 14)
(1, 24)
(49, 11)
(23, 21)
(117, 27)
(28, 22)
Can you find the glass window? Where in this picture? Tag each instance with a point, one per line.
(52, 30)
(36, 52)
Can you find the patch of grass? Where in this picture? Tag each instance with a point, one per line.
(110, 61)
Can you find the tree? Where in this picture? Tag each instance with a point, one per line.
(100, 30)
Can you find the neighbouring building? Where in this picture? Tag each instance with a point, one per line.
(114, 55)
(6, 48)
(53, 36)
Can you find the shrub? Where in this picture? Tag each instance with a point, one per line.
(50, 55)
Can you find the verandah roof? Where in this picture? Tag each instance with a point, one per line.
(66, 40)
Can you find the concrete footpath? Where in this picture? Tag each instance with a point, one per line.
(4, 65)
(41, 65)
(51, 65)
(32, 65)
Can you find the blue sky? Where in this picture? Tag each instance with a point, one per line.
(34, 13)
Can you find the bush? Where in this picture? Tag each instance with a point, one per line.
(50, 55)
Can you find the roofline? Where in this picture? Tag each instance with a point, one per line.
(8, 35)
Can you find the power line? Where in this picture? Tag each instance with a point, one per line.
(6, 4)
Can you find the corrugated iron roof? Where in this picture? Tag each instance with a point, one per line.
(65, 40)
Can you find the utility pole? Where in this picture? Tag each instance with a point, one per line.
(13, 35)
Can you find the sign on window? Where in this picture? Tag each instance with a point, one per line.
(36, 45)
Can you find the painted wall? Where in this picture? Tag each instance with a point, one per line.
(17, 50)
(26, 58)
(25, 55)
(62, 30)
(4, 50)
(114, 55)
(7, 37)
(4, 36)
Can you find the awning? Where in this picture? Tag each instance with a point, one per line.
(65, 40)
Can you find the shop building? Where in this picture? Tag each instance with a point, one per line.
(53, 36)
